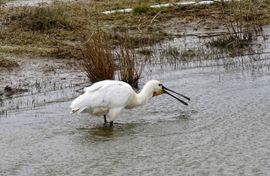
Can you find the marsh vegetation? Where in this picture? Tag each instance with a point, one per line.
(101, 61)
(125, 42)
(56, 30)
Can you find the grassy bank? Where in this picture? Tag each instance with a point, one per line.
(59, 30)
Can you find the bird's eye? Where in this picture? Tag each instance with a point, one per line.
(160, 85)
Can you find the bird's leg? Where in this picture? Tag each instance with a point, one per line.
(111, 124)
(105, 120)
(113, 113)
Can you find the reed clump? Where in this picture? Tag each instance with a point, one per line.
(130, 67)
(98, 59)
(102, 61)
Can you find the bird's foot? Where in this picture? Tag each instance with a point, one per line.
(111, 124)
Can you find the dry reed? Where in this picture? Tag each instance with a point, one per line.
(98, 59)
(129, 65)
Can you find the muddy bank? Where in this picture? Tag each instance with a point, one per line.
(175, 36)
(38, 81)
(8, 63)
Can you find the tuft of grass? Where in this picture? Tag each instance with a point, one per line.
(243, 24)
(188, 54)
(6, 63)
(146, 52)
(130, 66)
(171, 52)
(98, 59)
(45, 18)
(227, 41)
(241, 19)
(141, 9)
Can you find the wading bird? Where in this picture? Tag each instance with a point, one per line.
(109, 97)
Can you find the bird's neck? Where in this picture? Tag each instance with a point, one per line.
(142, 97)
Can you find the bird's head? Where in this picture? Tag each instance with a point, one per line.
(158, 88)
(155, 87)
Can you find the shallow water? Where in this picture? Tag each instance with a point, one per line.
(44, 80)
(224, 131)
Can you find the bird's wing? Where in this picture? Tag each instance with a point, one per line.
(104, 94)
(98, 85)
(115, 95)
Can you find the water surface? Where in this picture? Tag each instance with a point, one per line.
(224, 131)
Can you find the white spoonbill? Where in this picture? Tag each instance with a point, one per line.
(109, 97)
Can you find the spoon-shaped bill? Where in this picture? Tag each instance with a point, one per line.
(165, 88)
(175, 97)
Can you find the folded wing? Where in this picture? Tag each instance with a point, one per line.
(103, 95)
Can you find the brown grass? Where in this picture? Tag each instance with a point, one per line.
(243, 23)
(66, 25)
(6, 63)
(98, 59)
(129, 64)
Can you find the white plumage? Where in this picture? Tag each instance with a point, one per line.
(110, 97)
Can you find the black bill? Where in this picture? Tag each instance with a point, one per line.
(166, 91)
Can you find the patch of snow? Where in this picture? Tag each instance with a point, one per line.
(186, 3)
(165, 5)
(118, 10)
(205, 2)
(161, 5)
